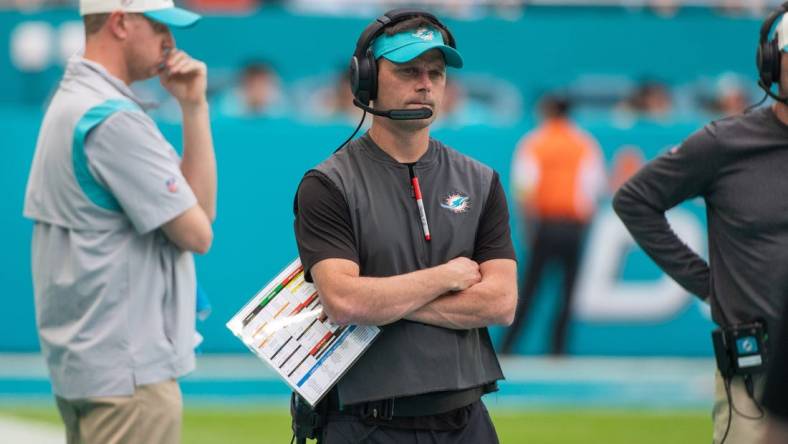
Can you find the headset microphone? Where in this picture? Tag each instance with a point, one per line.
(397, 114)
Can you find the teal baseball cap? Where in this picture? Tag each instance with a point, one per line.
(175, 17)
(407, 45)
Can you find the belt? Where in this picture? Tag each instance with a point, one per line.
(418, 405)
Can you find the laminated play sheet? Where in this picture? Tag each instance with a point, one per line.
(284, 325)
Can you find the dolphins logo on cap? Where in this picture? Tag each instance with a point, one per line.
(425, 34)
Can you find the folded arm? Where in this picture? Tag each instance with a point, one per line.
(490, 302)
(348, 298)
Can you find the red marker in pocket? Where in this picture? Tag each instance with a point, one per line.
(414, 182)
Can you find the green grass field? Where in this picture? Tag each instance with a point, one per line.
(203, 425)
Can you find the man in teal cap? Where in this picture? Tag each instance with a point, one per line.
(117, 216)
(400, 231)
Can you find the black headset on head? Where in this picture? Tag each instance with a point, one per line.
(769, 55)
(364, 68)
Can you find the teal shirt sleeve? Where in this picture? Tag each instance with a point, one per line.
(128, 155)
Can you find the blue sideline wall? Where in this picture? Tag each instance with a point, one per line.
(261, 161)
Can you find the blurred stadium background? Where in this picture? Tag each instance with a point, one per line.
(642, 74)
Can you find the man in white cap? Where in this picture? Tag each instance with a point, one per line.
(737, 165)
(117, 216)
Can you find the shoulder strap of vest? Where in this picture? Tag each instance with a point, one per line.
(95, 191)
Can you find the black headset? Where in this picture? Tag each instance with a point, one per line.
(364, 68)
(768, 58)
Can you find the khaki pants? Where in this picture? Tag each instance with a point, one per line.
(151, 416)
(743, 430)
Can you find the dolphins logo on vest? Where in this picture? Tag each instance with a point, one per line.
(456, 202)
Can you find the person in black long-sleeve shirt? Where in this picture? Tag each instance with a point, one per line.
(775, 395)
(739, 167)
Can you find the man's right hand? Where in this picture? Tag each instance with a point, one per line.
(185, 78)
(462, 273)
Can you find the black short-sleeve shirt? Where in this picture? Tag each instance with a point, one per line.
(323, 225)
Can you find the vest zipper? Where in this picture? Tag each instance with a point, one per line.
(415, 190)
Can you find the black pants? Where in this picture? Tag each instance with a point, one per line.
(554, 240)
(347, 429)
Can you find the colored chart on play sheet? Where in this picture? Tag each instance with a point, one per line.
(284, 325)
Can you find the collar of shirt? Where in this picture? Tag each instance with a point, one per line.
(79, 67)
(377, 153)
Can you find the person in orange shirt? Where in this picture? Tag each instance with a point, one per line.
(558, 173)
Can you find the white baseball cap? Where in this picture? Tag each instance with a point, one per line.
(163, 11)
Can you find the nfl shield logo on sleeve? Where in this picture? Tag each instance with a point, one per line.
(172, 184)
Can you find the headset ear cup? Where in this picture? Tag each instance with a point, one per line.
(760, 63)
(354, 77)
(365, 80)
(764, 60)
(361, 89)
(776, 60)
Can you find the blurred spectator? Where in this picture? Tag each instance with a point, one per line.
(598, 93)
(339, 102)
(459, 110)
(650, 99)
(745, 7)
(627, 161)
(665, 8)
(328, 99)
(225, 6)
(34, 5)
(258, 94)
(558, 174)
(732, 96)
(358, 8)
(479, 99)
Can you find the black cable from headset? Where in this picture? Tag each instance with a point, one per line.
(361, 122)
(750, 388)
(727, 385)
(732, 407)
(752, 107)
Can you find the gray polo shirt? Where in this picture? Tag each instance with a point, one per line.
(115, 299)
